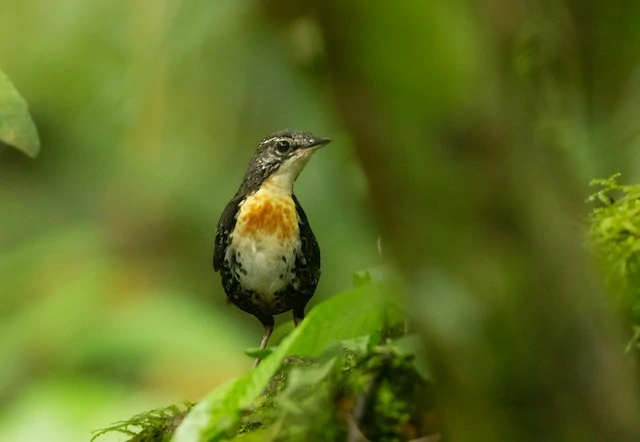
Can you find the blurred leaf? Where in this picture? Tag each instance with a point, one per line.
(348, 315)
(257, 352)
(16, 126)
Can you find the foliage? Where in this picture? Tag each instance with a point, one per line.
(368, 390)
(340, 371)
(16, 126)
(351, 314)
(375, 392)
(614, 234)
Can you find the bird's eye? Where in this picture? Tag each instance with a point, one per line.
(283, 146)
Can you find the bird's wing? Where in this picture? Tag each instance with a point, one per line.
(225, 227)
(310, 249)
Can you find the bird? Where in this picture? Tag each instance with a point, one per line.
(265, 251)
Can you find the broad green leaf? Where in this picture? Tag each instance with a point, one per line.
(348, 315)
(17, 129)
(361, 344)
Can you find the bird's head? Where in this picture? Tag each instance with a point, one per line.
(280, 158)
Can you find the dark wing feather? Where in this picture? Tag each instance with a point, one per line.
(309, 272)
(225, 227)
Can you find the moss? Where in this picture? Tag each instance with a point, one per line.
(373, 391)
(391, 399)
(379, 395)
(151, 426)
(263, 413)
(614, 236)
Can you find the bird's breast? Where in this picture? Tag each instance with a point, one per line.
(264, 242)
(266, 213)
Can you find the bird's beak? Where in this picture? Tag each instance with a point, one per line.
(317, 143)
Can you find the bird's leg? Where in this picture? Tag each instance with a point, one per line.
(267, 322)
(265, 338)
(298, 315)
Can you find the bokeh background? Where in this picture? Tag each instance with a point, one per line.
(148, 113)
(465, 132)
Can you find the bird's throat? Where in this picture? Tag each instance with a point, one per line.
(281, 181)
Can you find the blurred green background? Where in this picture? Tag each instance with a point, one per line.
(477, 124)
(148, 112)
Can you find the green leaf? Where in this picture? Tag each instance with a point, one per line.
(348, 315)
(257, 352)
(17, 129)
(361, 344)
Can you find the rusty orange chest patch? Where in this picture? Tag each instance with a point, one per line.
(266, 213)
